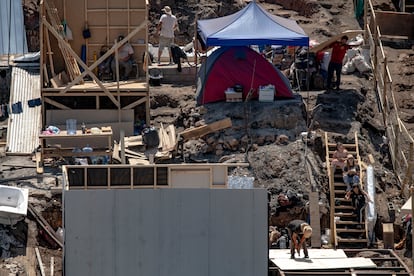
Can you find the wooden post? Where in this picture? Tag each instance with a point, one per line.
(365, 21)
(384, 77)
(315, 221)
(122, 139)
(412, 208)
(52, 266)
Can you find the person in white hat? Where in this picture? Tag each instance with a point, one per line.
(165, 29)
(299, 231)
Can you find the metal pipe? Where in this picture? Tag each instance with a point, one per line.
(371, 212)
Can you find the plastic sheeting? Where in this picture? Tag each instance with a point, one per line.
(12, 30)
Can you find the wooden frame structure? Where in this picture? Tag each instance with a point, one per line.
(153, 176)
(72, 36)
(401, 142)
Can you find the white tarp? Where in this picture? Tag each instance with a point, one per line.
(406, 208)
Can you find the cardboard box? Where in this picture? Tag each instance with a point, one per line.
(267, 93)
(234, 97)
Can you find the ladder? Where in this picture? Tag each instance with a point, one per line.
(346, 231)
(71, 65)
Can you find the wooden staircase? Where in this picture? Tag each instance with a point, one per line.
(346, 232)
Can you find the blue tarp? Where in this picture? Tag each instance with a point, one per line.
(251, 26)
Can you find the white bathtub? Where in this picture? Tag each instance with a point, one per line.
(13, 204)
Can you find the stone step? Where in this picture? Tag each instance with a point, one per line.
(170, 74)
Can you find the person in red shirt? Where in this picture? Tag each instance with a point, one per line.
(339, 49)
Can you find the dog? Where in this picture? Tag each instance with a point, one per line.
(177, 54)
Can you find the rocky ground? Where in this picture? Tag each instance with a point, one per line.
(281, 159)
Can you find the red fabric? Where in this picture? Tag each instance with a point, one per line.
(338, 52)
(228, 71)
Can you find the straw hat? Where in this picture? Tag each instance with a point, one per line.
(167, 10)
(307, 231)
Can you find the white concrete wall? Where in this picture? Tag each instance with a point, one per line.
(174, 232)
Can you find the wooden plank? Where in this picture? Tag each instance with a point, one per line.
(132, 141)
(30, 251)
(39, 259)
(206, 129)
(323, 45)
(39, 163)
(135, 161)
(315, 219)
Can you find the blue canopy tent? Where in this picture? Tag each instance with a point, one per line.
(251, 26)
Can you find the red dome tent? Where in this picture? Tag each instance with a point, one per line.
(252, 25)
(229, 66)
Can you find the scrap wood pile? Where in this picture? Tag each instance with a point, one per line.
(160, 144)
(143, 149)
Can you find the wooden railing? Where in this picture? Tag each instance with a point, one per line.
(401, 143)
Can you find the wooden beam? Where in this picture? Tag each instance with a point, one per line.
(201, 131)
(134, 104)
(55, 103)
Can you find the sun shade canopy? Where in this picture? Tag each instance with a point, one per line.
(251, 26)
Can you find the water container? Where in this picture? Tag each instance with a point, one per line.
(71, 126)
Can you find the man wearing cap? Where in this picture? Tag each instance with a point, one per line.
(299, 231)
(165, 29)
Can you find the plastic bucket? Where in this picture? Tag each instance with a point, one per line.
(71, 126)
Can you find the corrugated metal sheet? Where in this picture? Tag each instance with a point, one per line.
(12, 30)
(24, 127)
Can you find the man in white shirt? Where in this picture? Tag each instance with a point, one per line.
(125, 56)
(165, 29)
